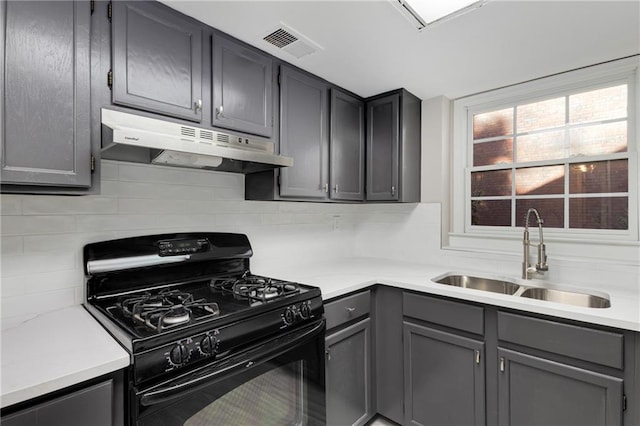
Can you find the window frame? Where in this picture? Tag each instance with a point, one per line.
(624, 244)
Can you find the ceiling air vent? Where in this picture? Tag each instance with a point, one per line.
(291, 41)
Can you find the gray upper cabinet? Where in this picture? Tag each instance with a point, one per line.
(304, 116)
(346, 147)
(242, 87)
(45, 113)
(393, 147)
(537, 391)
(156, 59)
(383, 145)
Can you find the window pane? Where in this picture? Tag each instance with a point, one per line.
(541, 146)
(599, 177)
(541, 115)
(494, 152)
(599, 213)
(494, 123)
(551, 212)
(485, 184)
(599, 139)
(540, 180)
(491, 212)
(601, 104)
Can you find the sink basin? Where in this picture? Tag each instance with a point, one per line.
(567, 297)
(477, 283)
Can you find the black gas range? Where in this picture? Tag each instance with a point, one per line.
(188, 309)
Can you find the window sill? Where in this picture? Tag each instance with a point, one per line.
(594, 249)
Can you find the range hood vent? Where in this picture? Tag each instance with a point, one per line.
(291, 41)
(132, 137)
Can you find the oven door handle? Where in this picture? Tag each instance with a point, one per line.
(233, 365)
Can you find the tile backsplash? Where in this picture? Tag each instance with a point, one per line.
(43, 236)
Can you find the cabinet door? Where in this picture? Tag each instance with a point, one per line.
(444, 378)
(45, 117)
(156, 59)
(383, 134)
(303, 135)
(90, 406)
(242, 88)
(348, 385)
(346, 147)
(535, 391)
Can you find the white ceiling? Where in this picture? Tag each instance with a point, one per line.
(369, 47)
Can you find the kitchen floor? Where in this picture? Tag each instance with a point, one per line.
(382, 421)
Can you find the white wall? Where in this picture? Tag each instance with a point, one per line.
(42, 236)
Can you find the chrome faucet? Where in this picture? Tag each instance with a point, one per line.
(529, 271)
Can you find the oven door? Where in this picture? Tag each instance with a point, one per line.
(278, 382)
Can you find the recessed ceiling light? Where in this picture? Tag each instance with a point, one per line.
(424, 13)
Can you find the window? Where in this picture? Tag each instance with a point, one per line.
(563, 144)
(567, 156)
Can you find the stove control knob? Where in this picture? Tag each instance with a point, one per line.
(179, 354)
(305, 310)
(289, 315)
(209, 345)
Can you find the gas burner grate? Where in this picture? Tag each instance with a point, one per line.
(254, 288)
(167, 309)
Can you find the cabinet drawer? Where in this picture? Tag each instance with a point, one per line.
(456, 315)
(347, 308)
(597, 346)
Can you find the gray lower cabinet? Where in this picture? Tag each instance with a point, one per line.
(242, 87)
(45, 113)
(156, 59)
(443, 378)
(349, 360)
(536, 391)
(304, 119)
(393, 147)
(348, 377)
(89, 406)
(346, 147)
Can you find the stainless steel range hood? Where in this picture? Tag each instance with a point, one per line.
(135, 138)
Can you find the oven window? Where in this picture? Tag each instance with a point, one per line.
(273, 398)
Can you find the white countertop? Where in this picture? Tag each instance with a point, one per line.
(55, 350)
(336, 278)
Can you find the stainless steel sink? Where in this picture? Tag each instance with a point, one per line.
(567, 297)
(477, 283)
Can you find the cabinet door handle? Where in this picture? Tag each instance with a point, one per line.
(197, 105)
(350, 310)
(325, 187)
(335, 188)
(393, 190)
(477, 357)
(501, 363)
(219, 111)
(327, 353)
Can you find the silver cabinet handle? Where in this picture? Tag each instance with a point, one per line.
(477, 357)
(351, 310)
(325, 187)
(501, 364)
(219, 111)
(197, 105)
(393, 190)
(327, 353)
(335, 188)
